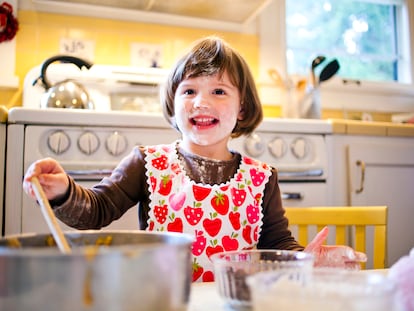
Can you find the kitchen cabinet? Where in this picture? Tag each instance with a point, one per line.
(200, 14)
(377, 170)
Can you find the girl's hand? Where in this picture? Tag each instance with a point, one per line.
(52, 178)
(339, 256)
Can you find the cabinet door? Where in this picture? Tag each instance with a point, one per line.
(388, 170)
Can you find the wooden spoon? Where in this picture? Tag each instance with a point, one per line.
(50, 218)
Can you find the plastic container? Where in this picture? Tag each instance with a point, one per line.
(327, 289)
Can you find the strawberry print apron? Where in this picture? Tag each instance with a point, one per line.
(221, 217)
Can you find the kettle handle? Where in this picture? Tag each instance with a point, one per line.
(79, 62)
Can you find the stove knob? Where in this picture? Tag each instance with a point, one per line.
(254, 145)
(58, 142)
(88, 142)
(299, 148)
(116, 144)
(277, 147)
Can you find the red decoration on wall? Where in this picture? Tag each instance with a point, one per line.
(8, 23)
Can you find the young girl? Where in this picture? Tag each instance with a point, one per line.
(196, 185)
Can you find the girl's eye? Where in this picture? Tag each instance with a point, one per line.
(189, 92)
(219, 92)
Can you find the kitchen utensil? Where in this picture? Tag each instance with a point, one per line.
(310, 104)
(329, 71)
(107, 270)
(315, 63)
(67, 93)
(50, 218)
(233, 268)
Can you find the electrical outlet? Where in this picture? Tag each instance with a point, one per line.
(146, 55)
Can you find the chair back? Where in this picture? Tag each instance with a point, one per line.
(352, 225)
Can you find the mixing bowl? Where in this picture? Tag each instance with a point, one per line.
(232, 269)
(330, 289)
(106, 270)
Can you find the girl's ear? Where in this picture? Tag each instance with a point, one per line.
(241, 113)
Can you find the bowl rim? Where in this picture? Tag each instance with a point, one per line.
(221, 256)
(179, 240)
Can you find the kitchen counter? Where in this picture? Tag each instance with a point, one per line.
(354, 127)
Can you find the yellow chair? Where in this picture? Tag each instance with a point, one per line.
(350, 224)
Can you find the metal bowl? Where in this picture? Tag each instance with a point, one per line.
(107, 270)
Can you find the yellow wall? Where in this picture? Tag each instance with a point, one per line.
(40, 33)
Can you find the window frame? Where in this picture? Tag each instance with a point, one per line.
(364, 96)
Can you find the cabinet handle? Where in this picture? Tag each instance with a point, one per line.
(361, 186)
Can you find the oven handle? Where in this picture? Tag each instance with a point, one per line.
(292, 196)
(301, 173)
(95, 174)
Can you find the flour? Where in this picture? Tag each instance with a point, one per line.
(334, 292)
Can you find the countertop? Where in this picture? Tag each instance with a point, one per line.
(354, 127)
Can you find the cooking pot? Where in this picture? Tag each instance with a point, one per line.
(67, 93)
(106, 270)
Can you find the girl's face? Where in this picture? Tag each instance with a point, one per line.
(207, 109)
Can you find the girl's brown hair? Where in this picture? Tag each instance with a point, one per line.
(209, 56)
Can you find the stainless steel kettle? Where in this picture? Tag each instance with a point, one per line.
(67, 93)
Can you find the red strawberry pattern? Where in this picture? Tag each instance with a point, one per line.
(257, 177)
(220, 217)
(199, 244)
(197, 270)
(165, 185)
(193, 214)
(160, 163)
(161, 212)
(220, 202)
(238, 194)
(252, 213)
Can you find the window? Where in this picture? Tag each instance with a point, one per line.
(366, 36)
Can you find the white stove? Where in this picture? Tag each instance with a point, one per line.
(90, 143)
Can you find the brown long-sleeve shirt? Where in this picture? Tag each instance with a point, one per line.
(127, 186)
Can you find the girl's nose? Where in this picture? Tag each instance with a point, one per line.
(201, 101)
